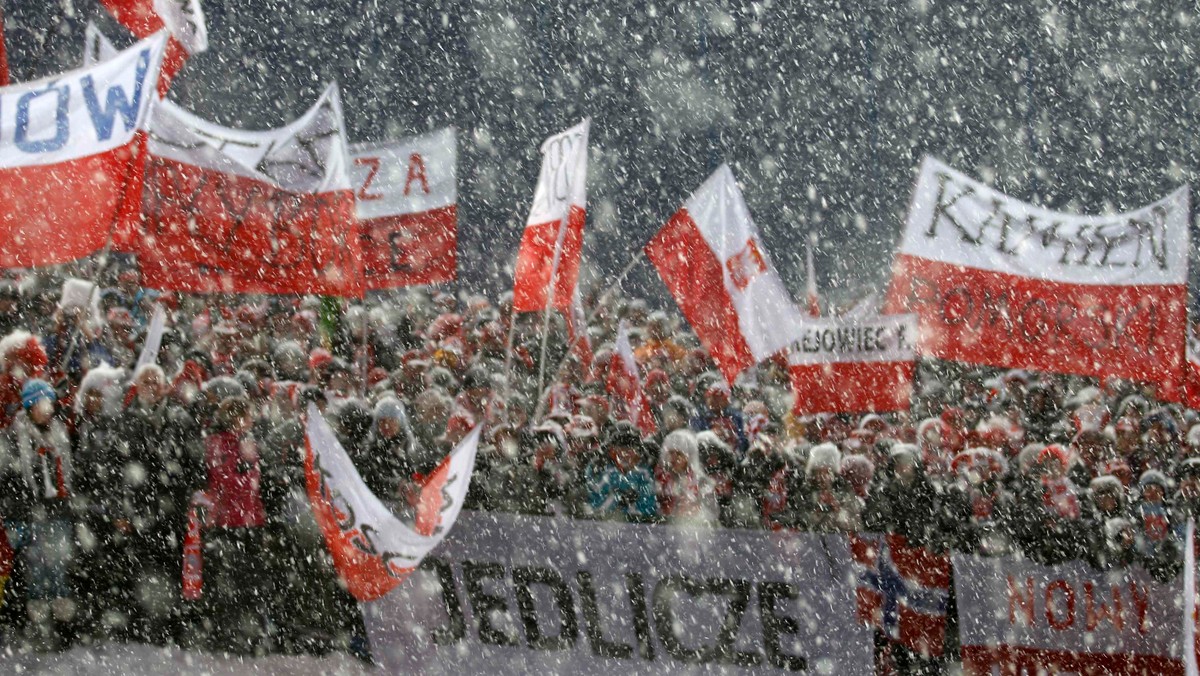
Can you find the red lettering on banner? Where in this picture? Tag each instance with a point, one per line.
(416, 172)
(1095, 613)
(374, 164)
(1017, 600)
(1141, 605)
(1056, 621)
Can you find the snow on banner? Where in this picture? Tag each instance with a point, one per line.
(552, 244)
(511, 594)
(854, 365)
(710, 257)
(227, 210)
(1019, 617)
(372, 549)
(1002, 283)
(407, 196)
(70, 149)
(182, 19)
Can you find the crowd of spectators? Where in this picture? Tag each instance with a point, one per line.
(105, 467)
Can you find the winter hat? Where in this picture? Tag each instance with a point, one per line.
(1107, 483)
(624, 434)
(34, 391)
(318, 358)
(22, 349)
(1193, 437)
(391, 409)
(858, 471)
(1153, 476)
(103, 378)
(1056, 453)
(824, 455)
(904, 453)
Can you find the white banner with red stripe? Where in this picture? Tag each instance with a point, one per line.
(407, 195)
(853, 365)
(70, 147)
(1018, 617)
(372, 549)
(552, 244)
(230, 210)
(999, 282)
(510, 594)
(182, 20)
(712, 261)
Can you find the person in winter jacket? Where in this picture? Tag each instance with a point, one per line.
(234, 591)
(623, 489)
(826, 502)
(719, 416)
(685, 493)
(1106, 500)
(1158, 549)
(44, 538)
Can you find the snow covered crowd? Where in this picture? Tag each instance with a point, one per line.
(109, 473)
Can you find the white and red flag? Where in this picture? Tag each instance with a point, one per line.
(712, 261)
(70, 156)
(854, 365)
(183, 20)
(373, 550)
(407, 195)
(903, 590)
(552, 245)
(234, 211)
(625, 385)
(999, 282)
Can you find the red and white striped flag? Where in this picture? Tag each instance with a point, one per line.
(854, 365)
(711, 259)
(71, 157)
(182, 19)
(373, 550)
(581, 342)
(552, 246)
(625, 384)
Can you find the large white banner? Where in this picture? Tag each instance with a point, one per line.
(1019, 617)
(1000, 282)
(508, 594)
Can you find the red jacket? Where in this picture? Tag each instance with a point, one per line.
(233, 484)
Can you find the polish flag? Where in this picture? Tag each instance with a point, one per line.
(70, 156)
(373, 550)
(236, 211)
(712, 261)
(182, 19)
(1001, 283)
(552, 246)
(625, 384)
(581, 342)
(814, 300)
(406, 196)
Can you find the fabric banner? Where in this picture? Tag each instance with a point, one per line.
(552, 244)
(712, 261)
(1002, 283)
(70, 161)
(511, 594)
(853, 365)
(624, 383)
(372, 549)
(182, 19)
(227, 210)
(1018, 617)
(407, 194)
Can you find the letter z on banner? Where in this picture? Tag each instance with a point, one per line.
(552, 245)
(513, 594)
(407, 195)
(1002, 283)
(712, 261)
(372, 549)
(227, 210)
(70, 149)
(1016, 617)
(854, 365)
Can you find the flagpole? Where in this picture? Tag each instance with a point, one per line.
(575, 339)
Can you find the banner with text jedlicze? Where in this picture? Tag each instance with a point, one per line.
(508, 594)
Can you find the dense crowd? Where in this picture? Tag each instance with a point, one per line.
(106, 469)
